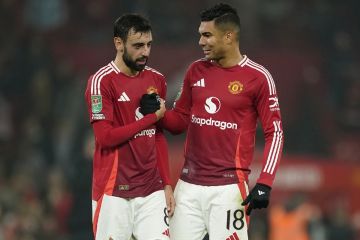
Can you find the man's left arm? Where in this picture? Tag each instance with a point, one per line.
(164, 170)
(269, 113)
(163, 157)
(268, 109)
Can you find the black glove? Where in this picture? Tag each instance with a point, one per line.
(258, 198)
(149, 103)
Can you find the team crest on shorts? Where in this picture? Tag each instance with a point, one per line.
(96, 103)
(152, 89)
(166, 232)
(235, 87)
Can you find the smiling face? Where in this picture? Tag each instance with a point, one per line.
(212, 41)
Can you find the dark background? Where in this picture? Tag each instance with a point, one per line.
(49, 48)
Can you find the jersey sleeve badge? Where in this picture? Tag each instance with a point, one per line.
(96, 103)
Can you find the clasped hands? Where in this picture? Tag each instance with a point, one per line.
(152, 103)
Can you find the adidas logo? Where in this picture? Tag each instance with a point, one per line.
(166, 232)
(233, 236)
(124, 97)
(261, 192)
(200, 83)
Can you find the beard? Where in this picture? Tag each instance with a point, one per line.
(133, 65)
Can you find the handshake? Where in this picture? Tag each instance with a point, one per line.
(152, 103)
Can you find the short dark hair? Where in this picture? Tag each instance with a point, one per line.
(224, 16)
(129, 21)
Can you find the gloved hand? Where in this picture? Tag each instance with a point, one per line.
(149, 103)
(258, 198)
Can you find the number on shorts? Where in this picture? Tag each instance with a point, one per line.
(238, 220)
(166, 217)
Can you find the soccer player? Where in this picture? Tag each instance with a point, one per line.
(131, 191)
(223, 96)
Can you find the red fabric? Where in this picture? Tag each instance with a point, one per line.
(223, 106)
(162, 157)
(113, 100)
(109, 136)
(175, 122)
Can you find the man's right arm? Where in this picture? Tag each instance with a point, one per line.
(177, 120)
(100, 108)
(109, 136)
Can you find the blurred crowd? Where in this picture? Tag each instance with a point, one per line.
(48, 49)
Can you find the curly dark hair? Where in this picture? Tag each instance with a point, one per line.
(129, 21)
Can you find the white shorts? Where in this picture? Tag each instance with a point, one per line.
(215, 210)
(141, 218)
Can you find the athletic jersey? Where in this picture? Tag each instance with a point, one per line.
(222, 106)
(129, 169)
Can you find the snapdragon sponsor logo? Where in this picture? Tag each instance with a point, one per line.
(212, 122)
(212, 105)
(146, 132)
(138, 114)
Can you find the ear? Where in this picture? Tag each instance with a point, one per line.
(119, 44)
(229, 37)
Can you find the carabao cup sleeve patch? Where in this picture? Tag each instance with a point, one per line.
(96, 103)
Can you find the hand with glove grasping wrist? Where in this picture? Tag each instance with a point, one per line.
(149, 103)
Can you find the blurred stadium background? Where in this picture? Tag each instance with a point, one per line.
(48, 49)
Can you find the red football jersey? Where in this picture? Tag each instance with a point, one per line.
(129, 169)
(222, 106)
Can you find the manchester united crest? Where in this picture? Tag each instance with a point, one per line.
(152, 89)
(235, 87)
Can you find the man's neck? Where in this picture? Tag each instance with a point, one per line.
(231, 59)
